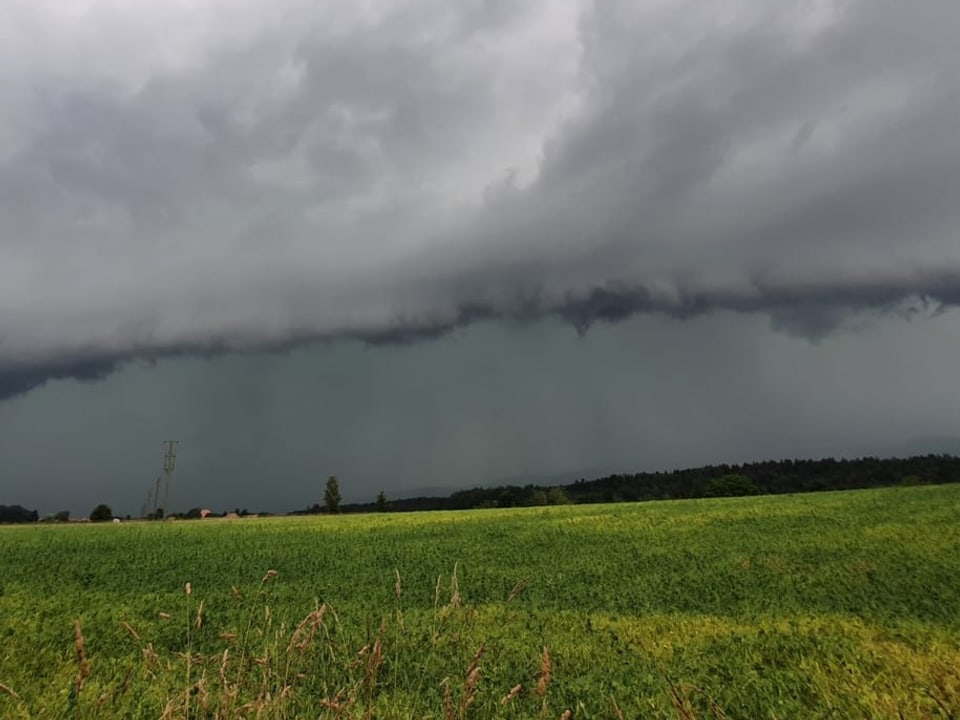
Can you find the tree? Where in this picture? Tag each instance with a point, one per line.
(381, 502)
(101, 513)
(534, 496)
(17, 514)
(331, 496)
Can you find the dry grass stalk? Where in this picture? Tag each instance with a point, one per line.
(83, 667)
(306, 631)
(236, 593)
(517, 589)
(199, 621)
(470, 689)
(514, 691)
(680, 702)
(455, 599)
(616, 710)
(398, 591)
(168, 711)
(338, 704)
(224, 660)
(188, 589)
(230, 691)
(269, 576)
(683, 706)
(374, 659)
(203, 695)
(163, 616)
(151, 658)
(567, 714)
(545, 668)
(471, 681)
(715, 709)
(447, 702)
(122, 688)
(9, 691)
(126, 626)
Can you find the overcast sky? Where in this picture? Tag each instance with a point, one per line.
(430, 244)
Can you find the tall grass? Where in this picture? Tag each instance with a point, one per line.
(270, 670)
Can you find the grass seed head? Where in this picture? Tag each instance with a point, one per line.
(545, 668)
(447, 701)
(514, 691)
(83, 666)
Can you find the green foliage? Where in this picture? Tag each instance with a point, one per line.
(773, 477)
(808, 606)
(381, 502)
(101, 513)
(557, 496)
(331, 496)
(535, 496)
(732, 486)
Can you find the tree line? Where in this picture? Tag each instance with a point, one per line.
(771, 477)
(767, 477)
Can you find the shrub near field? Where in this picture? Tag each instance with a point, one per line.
(811, 606)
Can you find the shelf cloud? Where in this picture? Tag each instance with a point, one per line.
(196, 178)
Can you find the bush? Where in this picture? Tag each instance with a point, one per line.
(732, 486)
(557, 496)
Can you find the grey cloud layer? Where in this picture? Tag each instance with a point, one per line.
(190, 179)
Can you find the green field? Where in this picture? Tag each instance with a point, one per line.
(832, 605)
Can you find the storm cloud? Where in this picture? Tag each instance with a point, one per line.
(194, 178)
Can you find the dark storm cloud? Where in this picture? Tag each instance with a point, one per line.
(213, 177)
(15, 381)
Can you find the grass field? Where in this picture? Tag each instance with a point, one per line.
(833, 605)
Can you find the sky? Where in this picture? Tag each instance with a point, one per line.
(419, 244)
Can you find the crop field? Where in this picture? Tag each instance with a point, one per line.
(831, 605)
